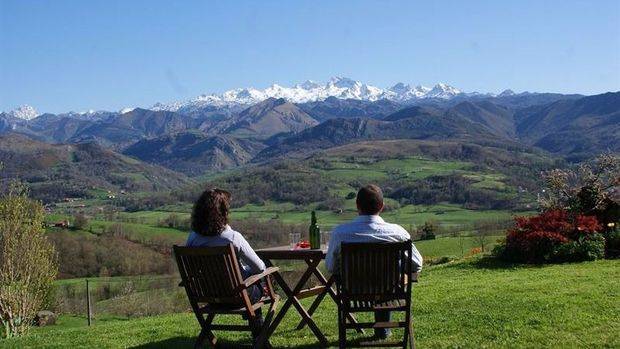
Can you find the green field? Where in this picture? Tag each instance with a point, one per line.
(342, 174)
(453, 246)
(339, 172)
(446, 215)
(468, 304)
(412, 167)
(452, 218)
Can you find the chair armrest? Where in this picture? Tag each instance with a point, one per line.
(255, 278)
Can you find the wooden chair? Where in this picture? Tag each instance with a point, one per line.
(375, 276)
(212, 279)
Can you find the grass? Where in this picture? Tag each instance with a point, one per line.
(469, 304)
(141, 231)
(452, 246)
(343, 170)
(447, 215)
(143, 225)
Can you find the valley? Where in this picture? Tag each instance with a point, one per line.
(464, 163)
(172, 176)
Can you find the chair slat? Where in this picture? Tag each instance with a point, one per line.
(212, 274)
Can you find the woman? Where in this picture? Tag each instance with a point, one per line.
(210, 228)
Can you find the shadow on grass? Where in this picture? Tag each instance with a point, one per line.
(491, 262)
(188, 342)
(494, 263)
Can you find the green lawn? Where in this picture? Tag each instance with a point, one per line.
(452, 246)
(468, 304)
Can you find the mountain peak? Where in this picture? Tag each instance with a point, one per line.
(272, 102)
(399, 87)
(310, 91)
(343, 82)
(443, 91)
(25, 112)
(126, 110)
(506, 93)
(308, 85)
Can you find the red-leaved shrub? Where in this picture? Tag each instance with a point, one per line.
(537, 239)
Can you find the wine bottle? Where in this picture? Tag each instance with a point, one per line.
(314, 233)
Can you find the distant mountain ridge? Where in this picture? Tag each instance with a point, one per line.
(57, 171)
(410, 123)
(310, 91)
(572, 128)
(575, 128)
(215, 138)
(195, 153)
(267, 118)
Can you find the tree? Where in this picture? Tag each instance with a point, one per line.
(427, 232)
(590, 189)
(80, 221)
(458, 234)
(28, 261)
(484, 229)
(172, 221)
(481, 237)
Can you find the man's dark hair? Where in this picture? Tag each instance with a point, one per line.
(369, 200)
(210, 214)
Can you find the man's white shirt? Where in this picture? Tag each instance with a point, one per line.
(367, 229)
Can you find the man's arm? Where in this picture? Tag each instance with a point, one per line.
(333, 252)
(416, 257)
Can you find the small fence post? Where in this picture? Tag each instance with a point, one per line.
(88, 306)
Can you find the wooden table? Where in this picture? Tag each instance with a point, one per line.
(312, 257)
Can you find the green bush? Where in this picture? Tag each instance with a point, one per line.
(427, 232)
(584, 249)
(612, 246)
(501, 252)
(28, 262)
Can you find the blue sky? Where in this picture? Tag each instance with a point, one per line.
(76, 55)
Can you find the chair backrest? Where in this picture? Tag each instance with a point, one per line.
(209, 274)
(375, 271)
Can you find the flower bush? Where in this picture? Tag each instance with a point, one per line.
(553, 236)
(580, 213)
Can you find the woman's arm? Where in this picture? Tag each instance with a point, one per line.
(248, 256)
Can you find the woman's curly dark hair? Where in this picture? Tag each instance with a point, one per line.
(210, 214)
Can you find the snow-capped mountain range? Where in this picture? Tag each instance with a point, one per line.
(310, 91)
(25, 112)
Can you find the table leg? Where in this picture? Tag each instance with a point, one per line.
(292, 300)
(317, 301)
(315, 304)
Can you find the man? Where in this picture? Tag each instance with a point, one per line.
(369, 227)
